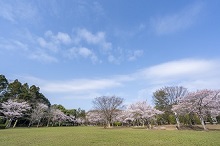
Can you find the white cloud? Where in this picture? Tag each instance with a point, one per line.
(42, 57)
(52, 46)
(135, 54)
(85, 52)
(13, 45)
(97, 39)
(54, 42)
(17, 10)
(78, 86)
(82, 52)
(111, 58)
(179, 21)
(31, 51)
(63, 37)
(21, 45)
(119, 55)
(175, 72)
(60, 38)
(187, 67)
(191, 73)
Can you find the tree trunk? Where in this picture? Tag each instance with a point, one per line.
(8, 123)
(203, 123)
(150, 127)
(190, 119)
(108, 124)
(48, 122)
(15, 123)
(38, 123)
(177, 121)
(29, 125)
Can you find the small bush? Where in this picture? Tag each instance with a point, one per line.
(117, 124)
(2, 126)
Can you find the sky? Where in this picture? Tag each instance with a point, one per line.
(76, 50)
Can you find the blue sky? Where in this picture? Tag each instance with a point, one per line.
(78, 50)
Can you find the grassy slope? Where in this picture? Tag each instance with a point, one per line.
(99, 136)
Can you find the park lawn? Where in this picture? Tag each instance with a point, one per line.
(98, 136)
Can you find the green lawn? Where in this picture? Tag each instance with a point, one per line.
(97, 136)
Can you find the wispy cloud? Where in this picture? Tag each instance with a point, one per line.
(30, 50)
(88, 9)
(179, 21)
(186, 67)
(17, 10)
(139, 85)
(79, 86)
(42, 56)
(51, 47)
(83, 85)
(82, 52)
(12, 45)
(60, 38)
(135, 54)
(119, 55)
(54, 42)
(115, 55)
(191, 73)
(97, 39)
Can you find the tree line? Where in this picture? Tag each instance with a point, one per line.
(27, 106)
(173, 105)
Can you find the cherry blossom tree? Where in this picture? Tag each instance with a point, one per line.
(12, 110)
(107, 107)
(80, 121)
(94, 117)
(200, 102)
(55, 115)
(58, 116)
(71, 119)
(181, 109)
(143, 112)
(121, 116)
(37, 113)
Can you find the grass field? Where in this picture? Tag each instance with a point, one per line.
(97, 136)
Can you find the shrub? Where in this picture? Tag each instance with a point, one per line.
(117, 124)
(2, 126)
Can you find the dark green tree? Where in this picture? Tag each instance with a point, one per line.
(3, 85)
(165, 98)
(161, 100)
(14, 89)
(80, 113)
(37, 97)
(60, 107)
